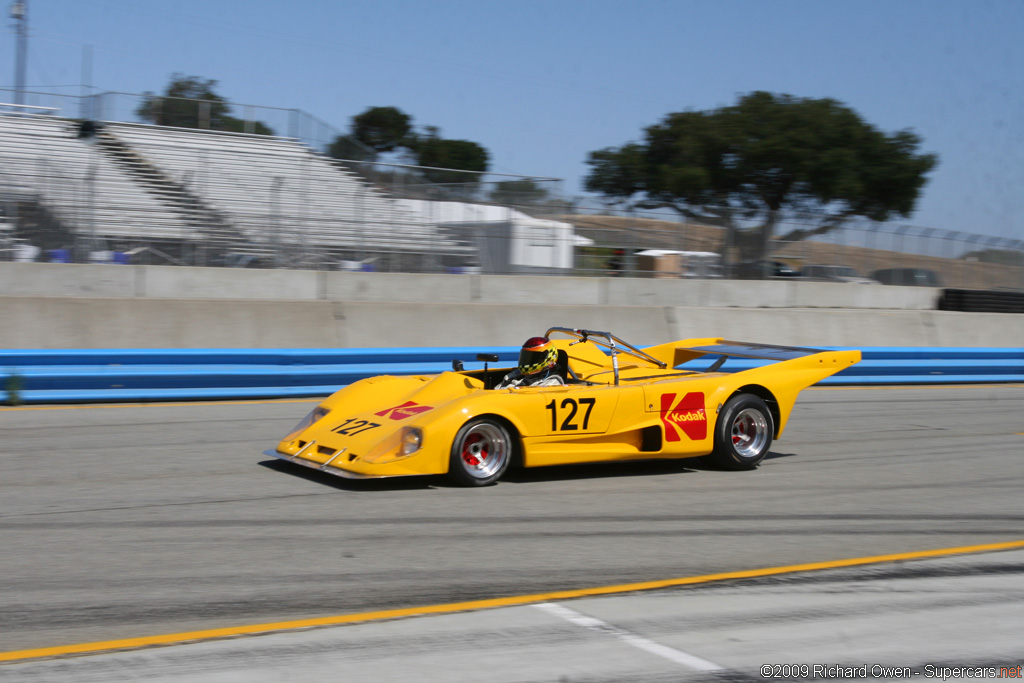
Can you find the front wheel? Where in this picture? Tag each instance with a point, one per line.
(743, 433)
(480, 453)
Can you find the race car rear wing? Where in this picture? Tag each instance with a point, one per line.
(749, 350)
(676, 353)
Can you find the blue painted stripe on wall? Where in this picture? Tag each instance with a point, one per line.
(98, 375)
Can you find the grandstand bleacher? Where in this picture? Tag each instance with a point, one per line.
(279, 193)
(41, 159)
(235, 194)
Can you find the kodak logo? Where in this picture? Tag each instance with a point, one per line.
(688, 416)
(407, 409)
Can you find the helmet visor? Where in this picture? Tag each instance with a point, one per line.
(537, 354)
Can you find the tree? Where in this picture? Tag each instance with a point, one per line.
(347, 147)
(376, 130)
(518, 192)
(232, 125)
(448, 159)
(383, 129)
(387, 129)
(765, 158)
(190, 102)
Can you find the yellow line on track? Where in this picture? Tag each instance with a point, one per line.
(363, 617)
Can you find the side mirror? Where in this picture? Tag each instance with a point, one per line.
(457, 365)
(487, 358)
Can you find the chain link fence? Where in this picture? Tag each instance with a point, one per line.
(235, 197)
(661, 244)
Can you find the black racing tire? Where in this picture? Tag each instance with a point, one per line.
(481, 452)
(743, 433)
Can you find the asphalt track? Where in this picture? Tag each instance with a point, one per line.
(132, 521)
(945, 618)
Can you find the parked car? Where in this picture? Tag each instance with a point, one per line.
(763, 270)
(916, 277)
(835, 274)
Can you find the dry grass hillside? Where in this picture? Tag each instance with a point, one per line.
(644, 233)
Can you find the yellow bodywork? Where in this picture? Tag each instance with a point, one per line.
(653, 412)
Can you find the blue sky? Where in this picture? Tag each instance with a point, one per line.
(541, 84)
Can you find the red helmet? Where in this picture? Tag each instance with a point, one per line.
(538, 354)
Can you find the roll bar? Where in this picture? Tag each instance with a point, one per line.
(609, 341)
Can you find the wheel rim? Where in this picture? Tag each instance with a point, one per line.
(484, 449)
(749, 433)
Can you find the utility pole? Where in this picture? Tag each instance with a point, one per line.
(19, 12)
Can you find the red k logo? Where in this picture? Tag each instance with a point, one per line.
(407, 409)
(688, 416)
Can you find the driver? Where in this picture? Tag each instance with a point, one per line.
(537, 361)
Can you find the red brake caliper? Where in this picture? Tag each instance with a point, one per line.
(467, 451)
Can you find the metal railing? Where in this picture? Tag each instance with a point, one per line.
(70, 202)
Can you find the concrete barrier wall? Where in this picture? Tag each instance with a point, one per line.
(390, 325)
(69, 323)
(162, 282)
(66, 323)
(72, 280)
(168, 282)
(51, 306)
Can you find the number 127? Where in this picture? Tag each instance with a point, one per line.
(568, 424)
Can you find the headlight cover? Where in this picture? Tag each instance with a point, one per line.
(305, 423)
(412, 440)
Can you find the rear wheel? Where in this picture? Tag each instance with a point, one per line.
(743, 433)
(480, 453)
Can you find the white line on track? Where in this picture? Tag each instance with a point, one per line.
(669, 653)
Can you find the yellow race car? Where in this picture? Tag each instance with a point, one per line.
(615, 402)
